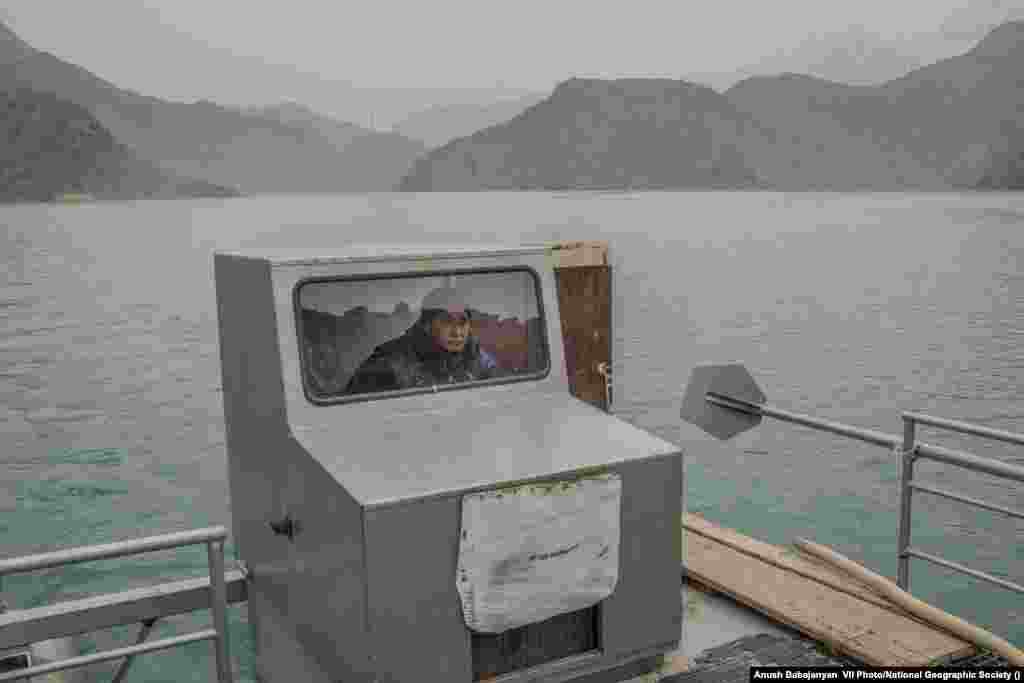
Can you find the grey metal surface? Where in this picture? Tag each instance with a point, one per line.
(219, 608)
(639, 666)
(476, 447)
(743, 405)
(952, 495)
(587, 668)
(913, 450)
(56, 650)
(869, 435)
(324, 574)
(906, 478)
(382, 252)
(644, 610)
(731, 662)
(360, 418)
(278, 655)
(89, 553)
(260, 450)
(966, 428)
(412, 553)
(107, 655)
(909, 450)
(970, 461)
(126, 665)
(72, 617)
(364, 496)
(731, 380)
(1009, 585)
(411, 557)
(213, 537)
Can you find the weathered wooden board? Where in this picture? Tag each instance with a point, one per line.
(796, 592)
(577, 254)
(584, 281)
(790, 559)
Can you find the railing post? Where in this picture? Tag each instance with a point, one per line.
(906, 476)
(219, 608)
(147, 626)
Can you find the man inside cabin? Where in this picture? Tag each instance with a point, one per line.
(438, 349)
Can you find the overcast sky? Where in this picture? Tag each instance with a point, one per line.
(192, 49)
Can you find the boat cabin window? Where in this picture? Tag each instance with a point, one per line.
(388, 336)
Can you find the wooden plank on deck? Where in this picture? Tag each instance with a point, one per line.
(790, 559)
(819, 602)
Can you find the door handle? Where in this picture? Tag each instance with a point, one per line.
(285, 527)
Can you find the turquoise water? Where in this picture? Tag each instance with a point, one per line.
(850, 306)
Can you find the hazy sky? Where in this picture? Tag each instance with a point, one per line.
(191, 49)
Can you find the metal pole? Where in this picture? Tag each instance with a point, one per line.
(906, 476)
(968, 428)
(219, 608)
(967, 570)
(952, 495)
(107, 655)
(971, 461)
(909, 450)
(110, 550)
(147, 626)
(868, 435)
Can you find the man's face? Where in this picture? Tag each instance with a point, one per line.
(450, 331)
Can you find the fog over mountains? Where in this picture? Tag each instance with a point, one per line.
(437, 125)
(954, 124)
(279, 149)
(54, 147)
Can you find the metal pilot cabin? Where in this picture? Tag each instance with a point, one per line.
(455, 527)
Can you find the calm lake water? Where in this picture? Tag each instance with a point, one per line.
(850, 306)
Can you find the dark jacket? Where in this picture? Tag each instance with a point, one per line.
(414, 360)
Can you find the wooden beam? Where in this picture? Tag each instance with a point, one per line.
(579, 254)
(851, 625)
(19, 628)
(790, 560)
(584, 281)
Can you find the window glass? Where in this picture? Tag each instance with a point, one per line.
(424, 332)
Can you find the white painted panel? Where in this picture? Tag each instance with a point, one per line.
(532, 552)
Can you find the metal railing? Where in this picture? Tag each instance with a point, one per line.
(909, 450)
(214, 539)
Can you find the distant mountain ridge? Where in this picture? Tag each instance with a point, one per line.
(955, 124)
(946, 125)
(1001, 42)
(55, 148)
(12, 47)
(295, 114)
(253, 152)
(597, 134)
(438, 125)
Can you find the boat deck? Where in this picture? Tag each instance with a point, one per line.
(722, 639)
(748, 603)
